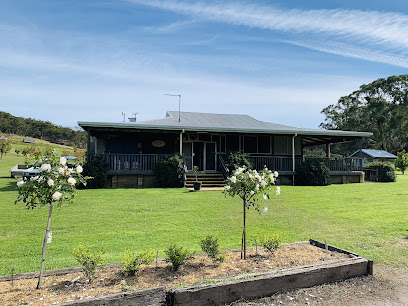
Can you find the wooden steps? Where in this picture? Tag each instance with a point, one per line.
(207, 179)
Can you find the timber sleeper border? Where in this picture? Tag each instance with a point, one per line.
(225, 291)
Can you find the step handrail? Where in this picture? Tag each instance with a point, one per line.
(223, 166)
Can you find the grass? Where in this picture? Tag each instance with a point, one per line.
(370, 219)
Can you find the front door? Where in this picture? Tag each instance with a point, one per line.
(200, 154)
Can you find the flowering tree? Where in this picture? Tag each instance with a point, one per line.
(249, 185)
(54, 184)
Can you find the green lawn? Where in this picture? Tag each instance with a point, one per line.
(370, 219)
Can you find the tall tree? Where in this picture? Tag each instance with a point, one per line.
(380, 107)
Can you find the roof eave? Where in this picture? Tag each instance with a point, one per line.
(86, 125)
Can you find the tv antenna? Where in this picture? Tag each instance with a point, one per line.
(124, 116)
(179, 101)
(133, 119)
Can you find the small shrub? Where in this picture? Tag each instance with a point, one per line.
(312, 172)
(97, 169)
(210, 246)
(402, 161)
(177, 255)
(271, 242)
(170, 171)
(386, 172)
(90, 261)
(236, 159)
(131, 261)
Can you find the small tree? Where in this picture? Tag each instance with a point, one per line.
(17, 150)
(55, 184)
(402, 161)
(249, 185)
(5, 147)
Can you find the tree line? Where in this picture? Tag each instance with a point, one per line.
(380, 107)
(41, 129)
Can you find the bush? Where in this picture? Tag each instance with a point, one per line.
(402, 161)
(271, 242)
(97, 168)
(170, 171)
(312, 172)
(131, 261)
(210, 246)
(90, 261)
(235, 159)
(386, 172)
(177, 255)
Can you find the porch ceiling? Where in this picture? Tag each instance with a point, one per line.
(312, 140)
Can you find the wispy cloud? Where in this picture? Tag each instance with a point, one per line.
(385, 29)
(356, 52)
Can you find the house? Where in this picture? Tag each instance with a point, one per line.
(370, 155)
(202, 138)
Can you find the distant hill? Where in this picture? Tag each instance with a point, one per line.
(45, 130)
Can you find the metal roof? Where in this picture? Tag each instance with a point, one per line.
(208, 122)
(376, 153)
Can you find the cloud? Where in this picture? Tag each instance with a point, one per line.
(355, 52)
(385, 29)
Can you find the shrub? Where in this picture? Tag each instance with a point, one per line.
(210, 246)
(402, 161)
(235, 159)
(131, 261)
(90, 261)
(170, 171)
(97, 169)
(386, 172)
(312, 172)
(177, 255)
(271, 242)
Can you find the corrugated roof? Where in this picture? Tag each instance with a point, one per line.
(376, 153)
(191, 121)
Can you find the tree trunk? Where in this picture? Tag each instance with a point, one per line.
(45, 245)
(244, 232)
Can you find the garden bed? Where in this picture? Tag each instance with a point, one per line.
(193, 280)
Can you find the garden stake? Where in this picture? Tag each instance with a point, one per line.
(326, 247)
(45, 245)
(12, 277)
(157, 255)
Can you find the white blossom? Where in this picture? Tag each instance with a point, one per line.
(252, 192)
(71, 181)
(265, 196)
(57, 195)
(265, 209)
(227, 187)
(263, 183)
(20, 183)
(276, 174)
(61, 170)
(257, 187)
(233, 179)
(63, 160)
(79, 169)
(50, 182)
(40, 161)
(277, 191)
(45, 167)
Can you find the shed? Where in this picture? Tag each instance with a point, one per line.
(370, 155)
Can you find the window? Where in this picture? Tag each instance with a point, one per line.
(232, 143)
(250, 144)
(264, 144)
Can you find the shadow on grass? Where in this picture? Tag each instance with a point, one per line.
(10, 186)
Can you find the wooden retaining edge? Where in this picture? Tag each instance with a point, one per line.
(152, 296)
(267, 284)
(370, 266)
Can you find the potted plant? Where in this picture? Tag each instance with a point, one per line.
(197, 184)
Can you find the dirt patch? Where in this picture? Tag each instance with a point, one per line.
(388, 286)
(72, 287)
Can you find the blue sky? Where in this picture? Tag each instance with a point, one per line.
(279, 61)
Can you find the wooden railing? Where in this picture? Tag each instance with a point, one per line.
(134, 162)
(223, 166)
(341, 164)
(285, 163)
(275, 163)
